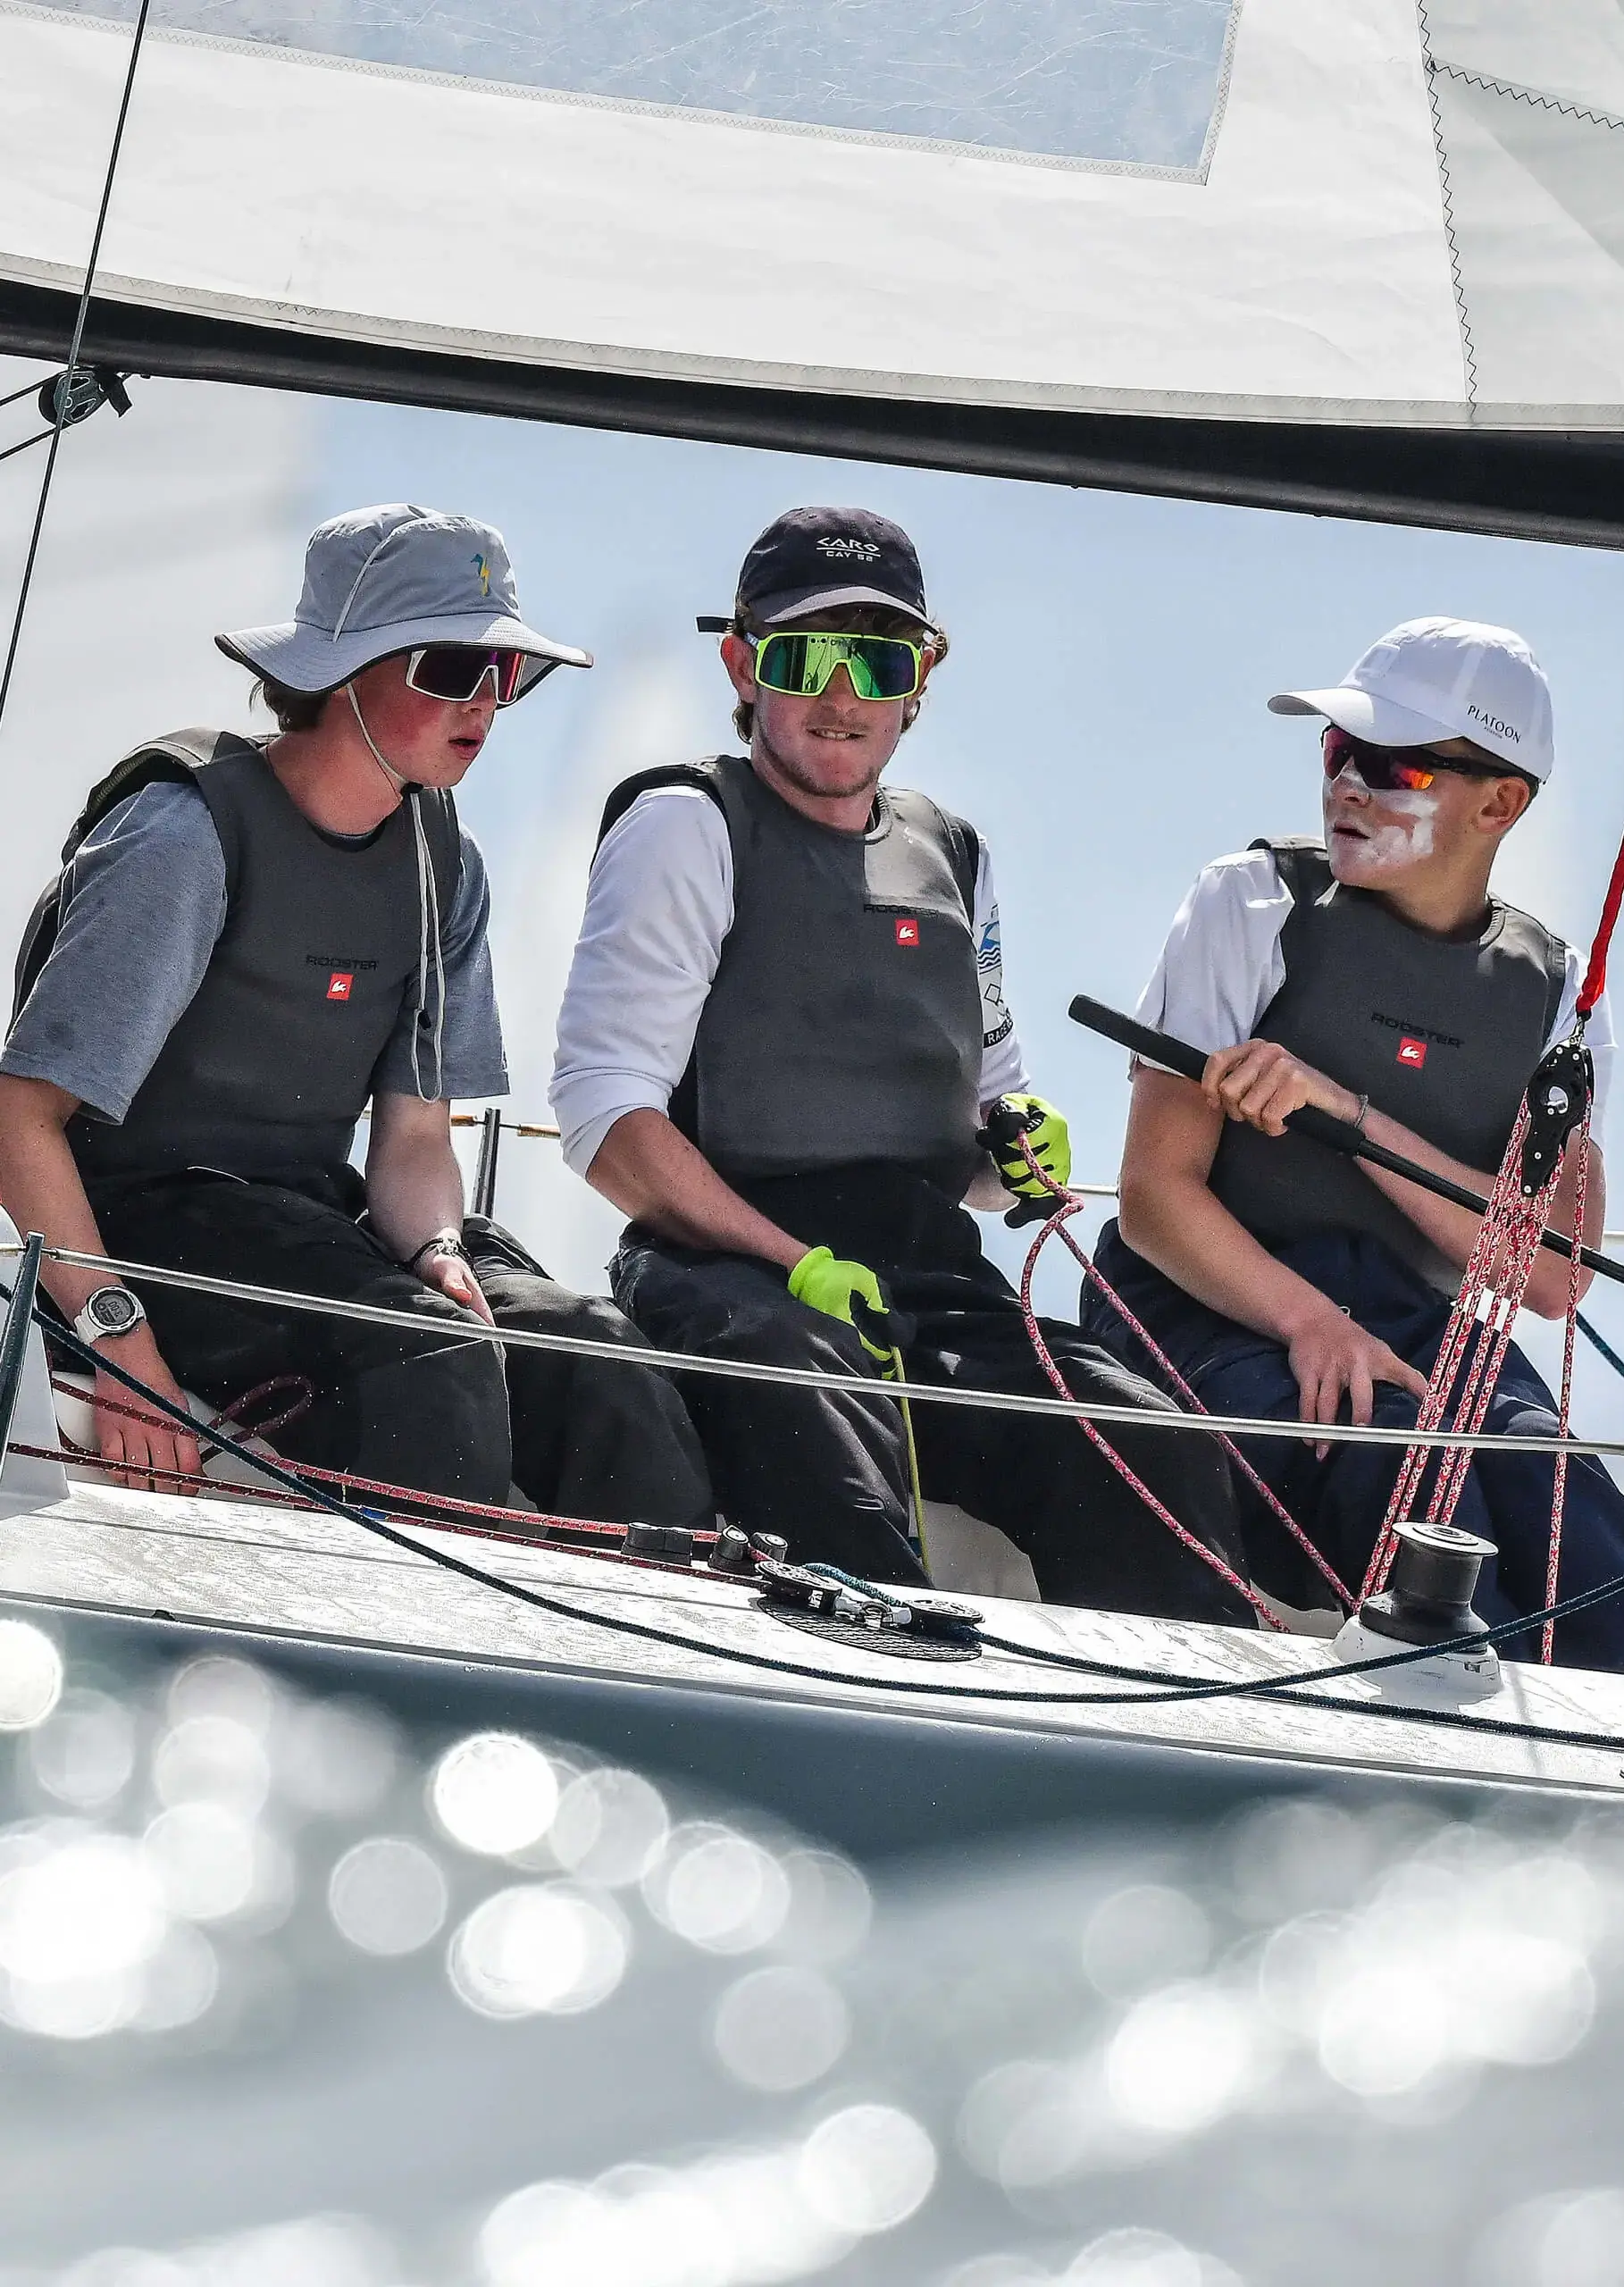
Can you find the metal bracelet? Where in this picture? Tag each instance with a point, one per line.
(1362, 1115)
(439, 1244)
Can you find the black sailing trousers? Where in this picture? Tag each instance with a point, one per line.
(611, 1442)
(828, 1471)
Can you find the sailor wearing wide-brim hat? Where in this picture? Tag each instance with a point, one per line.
(252, 940)
(378, 581)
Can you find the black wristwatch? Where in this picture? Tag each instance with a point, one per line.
(111, 1309)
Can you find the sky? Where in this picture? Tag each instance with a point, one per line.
(1101, 717)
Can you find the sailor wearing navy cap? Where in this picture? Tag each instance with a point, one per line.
(783, 1029)
(1372, 973)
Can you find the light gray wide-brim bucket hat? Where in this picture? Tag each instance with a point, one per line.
(379, 581)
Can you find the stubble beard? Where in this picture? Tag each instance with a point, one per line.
(805, 782)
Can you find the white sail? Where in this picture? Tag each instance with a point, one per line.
(1342, 253)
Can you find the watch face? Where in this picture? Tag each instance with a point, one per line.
(114, 1312)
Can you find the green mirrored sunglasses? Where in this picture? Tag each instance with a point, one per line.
(881, 666)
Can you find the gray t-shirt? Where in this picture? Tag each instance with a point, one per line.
(144, 902)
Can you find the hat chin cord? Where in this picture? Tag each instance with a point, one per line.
(397, 780)
(428, 917)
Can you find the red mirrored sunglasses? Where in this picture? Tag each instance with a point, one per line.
(1393, 770)
(457, 672)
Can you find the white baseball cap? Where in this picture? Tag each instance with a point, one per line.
(1433, 679)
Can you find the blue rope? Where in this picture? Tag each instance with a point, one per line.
(856, 1582)
(1595, 1339)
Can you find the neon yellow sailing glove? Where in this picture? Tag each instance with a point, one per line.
(1045, 1131)
(824, 1283)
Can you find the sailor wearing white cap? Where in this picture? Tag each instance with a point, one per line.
(1374, 975)
(1429, 680)
(251, 940)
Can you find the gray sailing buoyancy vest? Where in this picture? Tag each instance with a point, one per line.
(1440, 1034)
(845, 1023)
(269, 1066)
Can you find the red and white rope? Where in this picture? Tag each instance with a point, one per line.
(531, 1526)
(1467, 1372)
(1129, 1476)
(1271, 1499)
(1073, 1201)
(1559, 1484)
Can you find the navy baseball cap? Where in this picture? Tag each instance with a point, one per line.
(820, 559)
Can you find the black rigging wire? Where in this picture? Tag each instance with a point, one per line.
(1180, 1690)
(38, 438)
(29, 389)
(64, 392)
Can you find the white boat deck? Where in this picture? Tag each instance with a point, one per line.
(308, 1574)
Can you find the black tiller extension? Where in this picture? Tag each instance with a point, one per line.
(1319, 1127)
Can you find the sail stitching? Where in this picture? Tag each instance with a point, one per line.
(1469, 353)
(1533, 97)
(1220, 100)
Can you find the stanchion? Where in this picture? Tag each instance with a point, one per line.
(15, 1336)
(485, 1173)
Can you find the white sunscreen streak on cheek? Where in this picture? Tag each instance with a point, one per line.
(1395, 844)
(1399, 843)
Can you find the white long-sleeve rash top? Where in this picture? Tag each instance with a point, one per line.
(660, 906)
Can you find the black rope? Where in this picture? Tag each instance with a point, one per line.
(1288, 1687)
(1181, 1690)
(65, 391)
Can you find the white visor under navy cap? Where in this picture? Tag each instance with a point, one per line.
(1433, 679)
(831, 560)
(378, 581)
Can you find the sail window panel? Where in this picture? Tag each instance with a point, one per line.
(1128, 83)
(1307, 274)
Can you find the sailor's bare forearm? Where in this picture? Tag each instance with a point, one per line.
(414, 1183)
(1454, 1230)
(1194, 1240)
(648, 1168)
(1169, 1214)
(39, 1184)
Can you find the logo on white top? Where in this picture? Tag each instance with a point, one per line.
(998, 1024)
